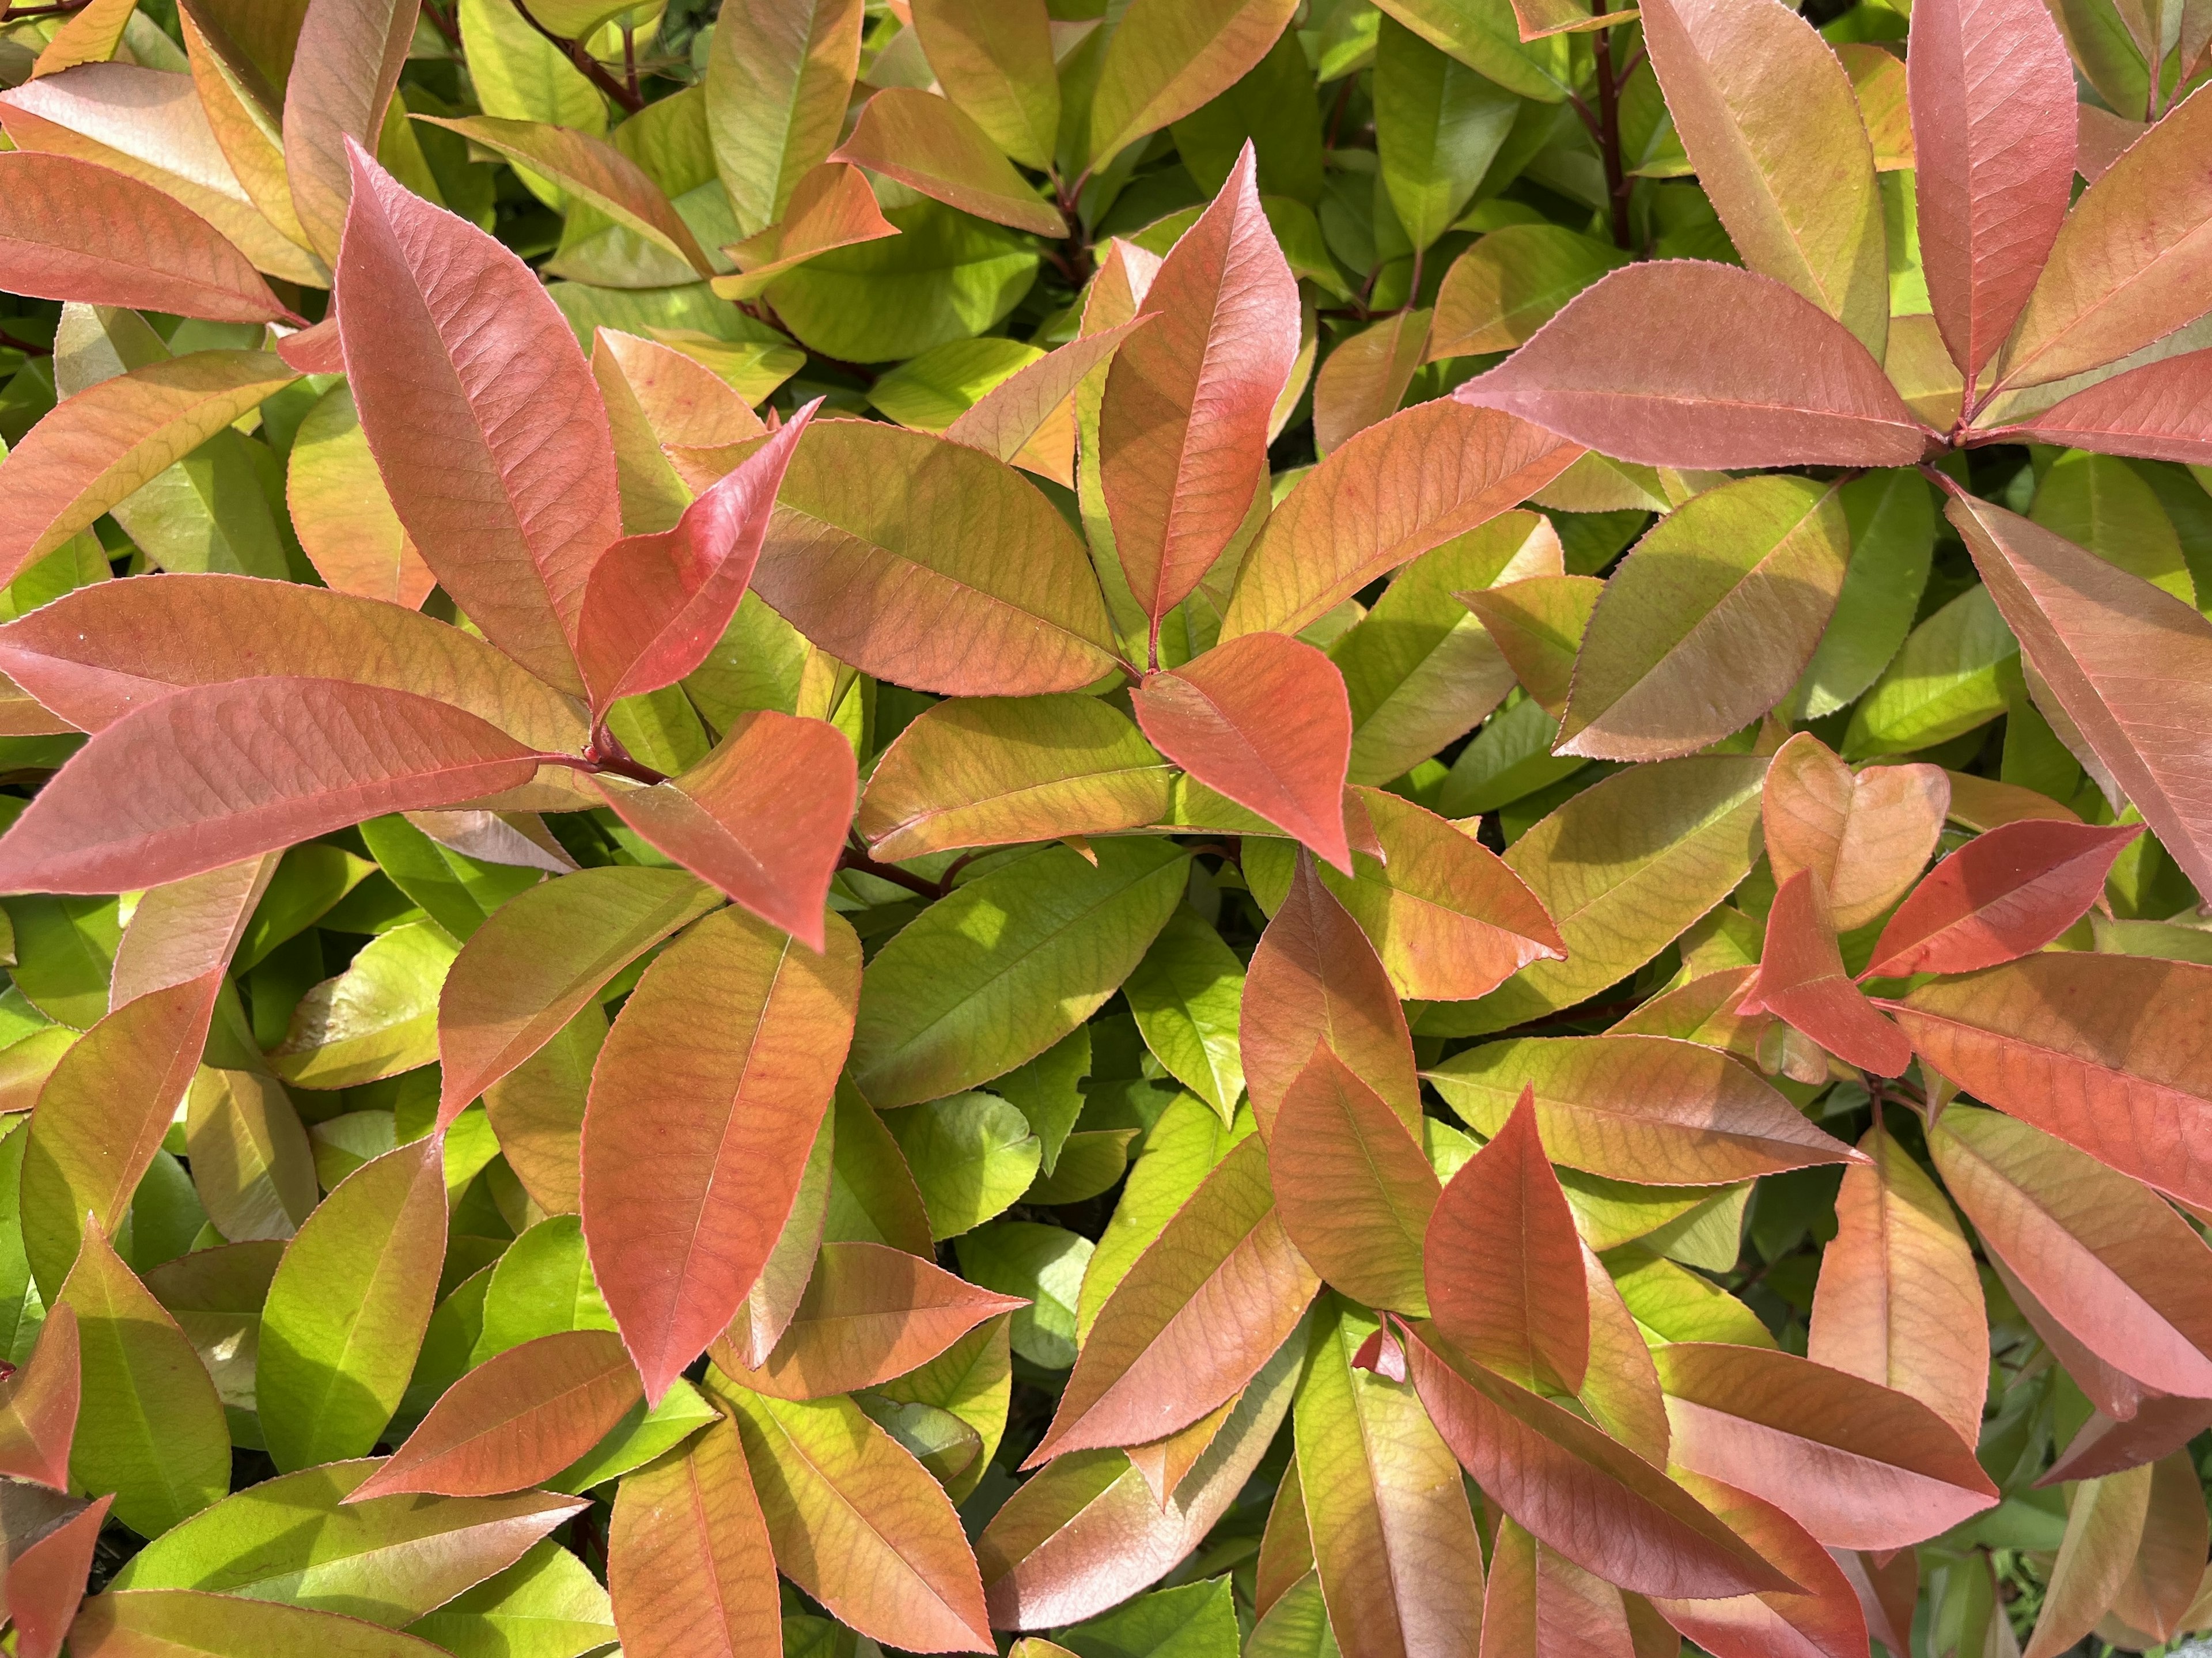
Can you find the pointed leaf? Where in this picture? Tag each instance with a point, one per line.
(831, 206)
(1823, 1621)
(2157, 411)
(1867, 837)
(704, 1107)
(688, 1562)
(1003, 420)
(778, 78)
(1354, 1190)
(1705, 366)
(250, 1162)
(2162, 1425)
(1538, 1604)
(346, 66)
(341, 511)
(995, 63)
(930, 144)
(1539, 625)
(1802, 979)
(38, 1404)
(2002, 895)
(1510, 283)
(1167, 59)
(45, 1582)
(186, 1623)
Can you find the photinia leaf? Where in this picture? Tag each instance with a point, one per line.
(1365, 380)
(2104, 1528)
(931, 144)
(831, 206)
(1169, 58)
(1003, 420)
(38, 1404)
(870, 1313)
(688, 1562)
(1801, 980)
(1264, 720)
(1354, 1189)
(2162, 1580)
(517, 1419)
(46, 1581)
(346, 66)
(376, 1019)
(69, 230)
(763, 817)
(1183, 429)
(250, 1161)
(1505, 1266)
(186, 1624)
(2004, 894)
(1857, 1464)
(340, 510)
(704, 1107)
(1705, 366)
(483, 416)
(1867, 836)
(1538, 1604)
(1512, 282)
(1381, 499)
(183, 931)
(1198, 1316)
(1822, 1621)
(778, 78)
(1438, 126)
(1538, 623)
(2154, 411)
(663, 407)
(2161, 1424)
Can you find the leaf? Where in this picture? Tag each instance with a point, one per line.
(1366, 377)
(2104, 1526)
(478, 406)
(1164, 60)
(99, 447)
(376, 1019)
(1865, 837)
(1438, 125)
(777, 81)
(931, 563)
(346, 1312)
(295, 1539)
(1649, 1109)
(2162, 1580)
(1198, 1316)
(149, 1427)
(1185, 995)
(186, 1623)
(1893, 534)
(1006, 966)
(2099, 1050)
(1352, 1186)
(996, 64)
(2002, 894)
(1992, 98)
(859, 1525)
(250, 1162)
(345, 68)
(2161, 1425)
(1773, 132)
(689, 1564)
(932, 145)
(1538, 624)
(518, 1419)
(1183, 429)
(1948, 679)
(38, 1404)
(2151, 411)
(1512, 282)
(1592, 1499)
(548, 1602)
(1382, 498)
(2118, 279)
(340, 512)
(1538, 1604)
(46, 1581)
(2113, 1264)
(1856, 1465)
(1264, 720)
(1705, 366)
(1709, 621)
(1823, 1619)
(704, 1106)
(1315, 979)
(69, 230)
(2119, 655)
(1505, 1266)
(1021, 414)
(1801, 980)
(1486, 36)
(972, 1155)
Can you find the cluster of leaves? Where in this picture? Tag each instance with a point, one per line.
(1174, 822)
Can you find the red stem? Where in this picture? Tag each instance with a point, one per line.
(593, 70)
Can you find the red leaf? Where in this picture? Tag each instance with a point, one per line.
(483, 416)
(2131, 665)
(1802, 979)
(1265, 720)
(1992, 96)
(2000, 895)
(1354, 1188)
(70, 230)
(2159, 411)
(704, 1105)
(1683, 363)
(316, 350)
(1383, 1354)
(1538, 1604)
(1824, 1621)
(1315, 978)
(763, 817)
(210, 776)
(656, 605)
(1856, 1464)
(1505, 1263)
(519, 1417)
(345, 67)
(1182, 432)
(689, 1564)
(45, 1582)
(38, 1404)
(1582, 1493)
(2162, 1424)
(1887, 1584)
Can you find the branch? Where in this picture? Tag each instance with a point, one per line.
(853, 858)
(593, 70)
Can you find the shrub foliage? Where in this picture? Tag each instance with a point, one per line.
(1171, 828)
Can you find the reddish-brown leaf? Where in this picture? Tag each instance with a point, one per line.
(1265, 720)
(1867, 836)
(1354, 1188)
(1538, 1604)
(1887, 1584)
(1683, 363)
(1183, 429)
(2159, 411)
(2000, 896)
(656, 605)
(931, 144)
(481, 414)
(704, 1106)
(1992, 96)
(1315, 978)
(1856, 1464)
(1823, 1621)
(1201, 1310)
(689, 1564)
(2161, 1585)
(45, 1582)
(38, 1404)
(1580, 1492)
(2163, 1423)
(69, 230)
(763, 817)
(519, 1417)
(2111, 1054)
(343, 70)
(870, 1313)
(1504, 1270)
(1802, 979)
(210, 776)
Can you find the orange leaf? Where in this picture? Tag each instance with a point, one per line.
(831, 206)
(1802, 979)
(344, 69)
(931, 144)
(689, 1564)
(1540, 1604)
(1538, 624)
(1822, 1621)
(1867, 836)
(1354, 1189)
(38, 1404)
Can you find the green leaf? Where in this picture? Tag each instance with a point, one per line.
(1049, 1090)
(541, 1285)
(64, 950)
(972, 1379)
(930, 391)
(971, 1154)
(1186, 995)
(1892, 530)
(2102, 502)
(1484, 35)
(520, 75)
(307, 883)
(1046, 1264)
(778, 76)
(947, 276)
(643, 1435)
(1180, 1151)
(1948, 679)
(1295, 1626)
(1198, 1620)
(1438, 125)
(1510, 283)
(376, 1019)
(1166, 58)
(455, 891)
(1275, 107)
(547, 1605)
